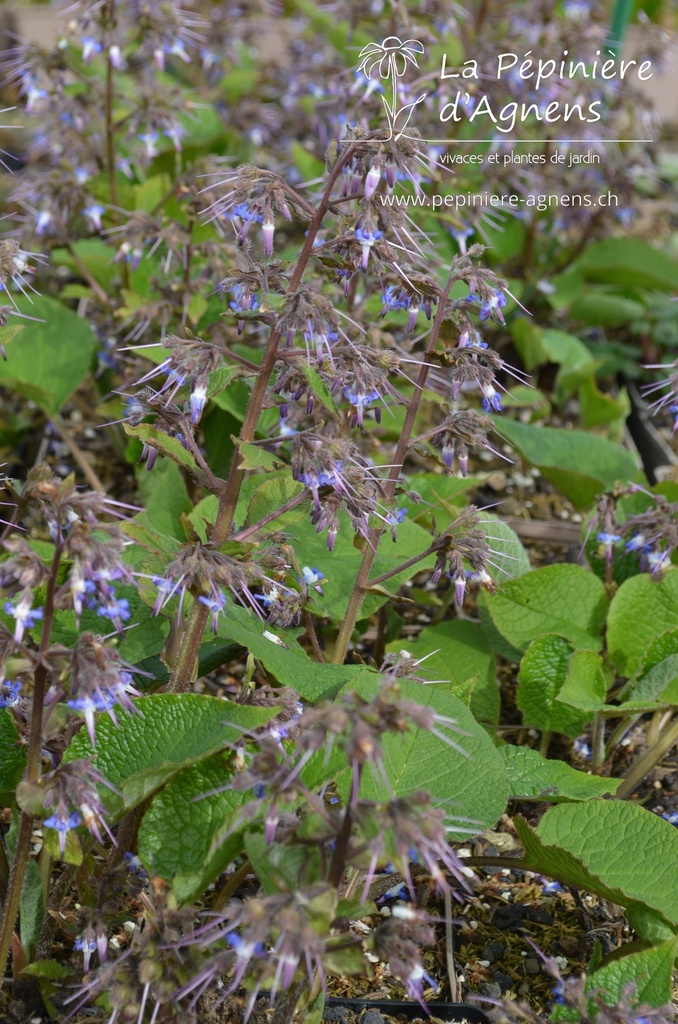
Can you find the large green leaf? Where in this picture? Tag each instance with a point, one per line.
(12, 759)
(289, 664)
(562, 599)
(471, 785)
(643, 608)
(457, 651)
(631, 262)
(610, 847)
(649, 970)
(170, 732)
(533, 777)
(164, 498)
(271, 495)
(176, 834)
(50, 358)
(580, 464)
(543, 672)
(341, 565)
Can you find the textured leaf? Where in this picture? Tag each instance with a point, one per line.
(650, 970)
(509, 557)
(164, 498)
(585, 686)
(643, 608)
(290, 666)
(605, 846)
(72, 851)
(254, 456)
(50, 969)
(318, 388)
(580, 464)
(472, 786)
(149, 434)
(341, 565)
(273, 494)
(457, 650)
(171, 732)
(176, 834)
(533, 777)
(51, 357)
(543, 672)
(562, 599)
(12, 759)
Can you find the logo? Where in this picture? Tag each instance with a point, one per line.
(389, 60)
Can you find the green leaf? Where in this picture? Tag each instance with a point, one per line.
(290, 665)
(149, 193)
(543, 672)
(585, 686)
(605, 307)
(631, 262)
(562, 599)
(148, 434)
(177, 831)
(533, 777)
(649, 970)
(442, 491)
(8, 333)
(472, 785)
(457, 650)
(96, 255)
(51, 358)
(341, 565)
(164, 498)
(282, 867)
(318, 388)
(254, 456)
(50, 969)
(272, 494)
(168, 733)
(12, 759)
(643, 608)
(580, 464)
(660, 683)
(605, 846)
(509, 557)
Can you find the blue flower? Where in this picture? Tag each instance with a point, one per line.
(24, 615)
(12, 696)
(552, 887)
(608, 538)
(312, 577)
(492, 401)
(672, 818)
(367, 240)
(492, 308)
(581, 747)
(361, 400)
(63, 822)
(394, 519)
(216, 604)
(197, 402)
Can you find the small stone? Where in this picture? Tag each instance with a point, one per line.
(337, 1013)
(531, 966)
(493, 951)
(492, 991)
(372, 1017)
(503, 980)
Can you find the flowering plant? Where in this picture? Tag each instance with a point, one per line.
(218, 704)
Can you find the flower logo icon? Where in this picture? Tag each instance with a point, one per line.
(389, 60)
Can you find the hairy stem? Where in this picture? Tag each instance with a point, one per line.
(370, 551)
(182, 676)
(40, 679)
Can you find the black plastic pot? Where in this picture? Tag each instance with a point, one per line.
(456, 1012)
